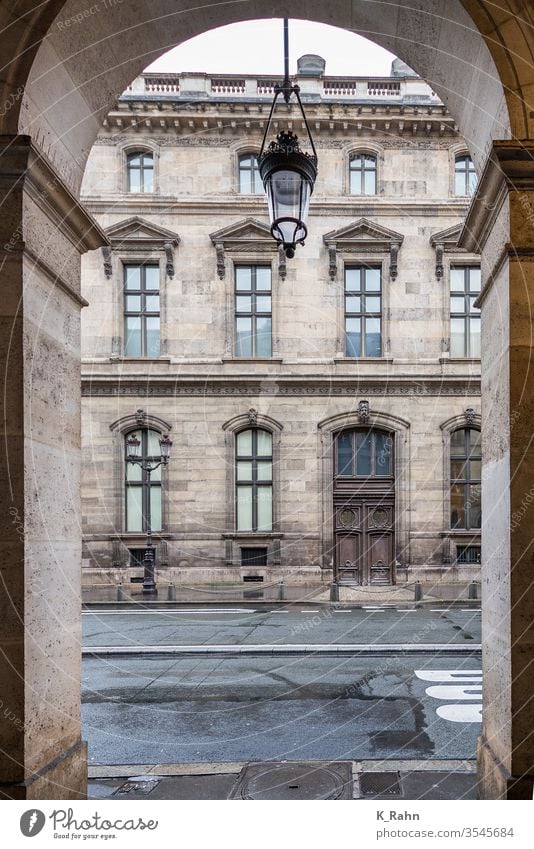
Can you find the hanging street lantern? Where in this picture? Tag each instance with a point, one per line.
(288, 173)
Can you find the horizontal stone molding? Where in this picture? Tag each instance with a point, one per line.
(264, 386)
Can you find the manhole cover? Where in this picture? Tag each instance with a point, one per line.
(380, 784)
(295, 781)
(143, 786)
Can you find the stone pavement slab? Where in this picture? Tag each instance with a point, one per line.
(294, 781)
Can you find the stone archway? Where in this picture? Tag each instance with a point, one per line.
(60, 76)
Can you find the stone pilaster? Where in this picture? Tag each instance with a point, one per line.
(501, 225)
(43, 230)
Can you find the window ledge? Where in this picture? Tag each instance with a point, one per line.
(252, 360)
(463, 360)
(253, 535)
(134, 536)
(474, 534)
(363, 359)
(119, 359)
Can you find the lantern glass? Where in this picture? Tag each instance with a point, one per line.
(133, 447)
(288, 194)
(165, 447)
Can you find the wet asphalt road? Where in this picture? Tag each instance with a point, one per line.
(169, 710)
(295, 624)
(185, 709)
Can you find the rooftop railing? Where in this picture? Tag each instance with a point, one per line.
(360, 88)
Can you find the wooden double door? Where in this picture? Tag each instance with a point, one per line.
(364, 538)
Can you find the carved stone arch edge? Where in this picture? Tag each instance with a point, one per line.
(326, 430)
(119, 428)
(468, 419)
(251, 419)
(139, 419)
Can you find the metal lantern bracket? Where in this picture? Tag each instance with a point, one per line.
(284, 153)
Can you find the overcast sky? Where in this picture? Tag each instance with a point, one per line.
(257, 47)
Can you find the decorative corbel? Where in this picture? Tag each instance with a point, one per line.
(169, 255)
(221, 263)
(282, 264)
(252, 416)
(363, 412)
(439, 260)
(393, 258)
(108, 268)
(469, 416)
(332, 261)
(140, 417)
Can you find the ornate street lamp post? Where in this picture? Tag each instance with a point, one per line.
(134, 456)
(288, 173)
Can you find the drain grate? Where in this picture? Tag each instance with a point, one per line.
(295, 781)
(144, 786)
(380, 784)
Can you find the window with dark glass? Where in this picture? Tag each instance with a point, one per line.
(253, 318)
(466, 461)
(364, 453)
(249, 176)
(143, 502)
(254, 480)
(465, 317)
(140, 168)
(362, 172)
(465, 176)
(363, 312)
(141, 311)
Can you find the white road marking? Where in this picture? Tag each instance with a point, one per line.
(460, 713)
(278, 611)
(456, 685)
(166, 612)
(455, 676)
(452, 692)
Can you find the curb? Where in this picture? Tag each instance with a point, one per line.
(343, 648)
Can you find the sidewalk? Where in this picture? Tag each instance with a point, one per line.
(387, 780)
(273, 593)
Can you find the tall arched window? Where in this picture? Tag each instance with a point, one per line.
(249, 176)
(362, 173)
(254, 480)
(466, 462)
(143, 501)
(465, 176)
(140, 167)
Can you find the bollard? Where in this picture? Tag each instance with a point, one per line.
(334, 592)
(120, 593)
(171, 593)
(418, 593)
(281, 591)
(473, 591)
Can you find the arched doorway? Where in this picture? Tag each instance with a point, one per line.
(61, 75)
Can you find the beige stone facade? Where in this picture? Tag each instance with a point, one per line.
(198, 226)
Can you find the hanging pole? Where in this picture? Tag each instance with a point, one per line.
(286, 85)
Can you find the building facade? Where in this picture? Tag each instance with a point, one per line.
(324, 410)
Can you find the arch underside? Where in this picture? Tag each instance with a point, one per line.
(81, 67)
